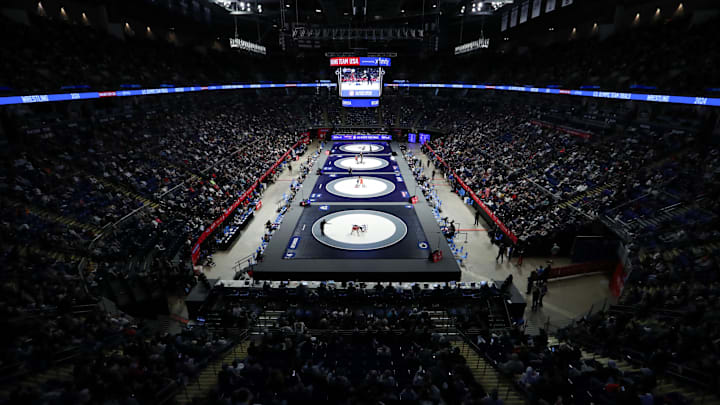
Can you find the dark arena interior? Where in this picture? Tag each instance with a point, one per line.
(225, 202)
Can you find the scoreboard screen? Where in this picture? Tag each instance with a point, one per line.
(360, 61)
(360, 102)
(360, 82)
(360, 79)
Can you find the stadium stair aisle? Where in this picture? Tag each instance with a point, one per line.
(53, 217)
(434, 122)
(126, 192)
(416, 119)
(27, 250)
(325, 115)
(303, 116)
(664, 216)
(665, 384)
(442, 321)
(487, 376)
(343, 117)
(395, 114)
(207, 380)
(381, 117)
(267, 319)
(39, 381)
(590, 193)
(189, 176)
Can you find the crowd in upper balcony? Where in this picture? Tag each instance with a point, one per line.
(150, 181)
(176, 167)
(540, 179)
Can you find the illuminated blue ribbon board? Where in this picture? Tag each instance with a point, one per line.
(354, 137)
(655, 98)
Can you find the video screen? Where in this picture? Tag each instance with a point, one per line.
(360, 82)
(362, 102)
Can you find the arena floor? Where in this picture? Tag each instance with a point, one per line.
(567, 298)
(371, 232)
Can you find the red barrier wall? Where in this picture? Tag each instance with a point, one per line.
(475, 198)
(617, 282)
(582, 268)
(216, 223)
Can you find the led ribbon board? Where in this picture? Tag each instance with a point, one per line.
(654, 98)
(46, 98)
(354, 137)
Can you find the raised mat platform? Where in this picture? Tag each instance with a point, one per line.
(360, 227)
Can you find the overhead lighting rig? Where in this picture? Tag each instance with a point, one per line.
(238, 7)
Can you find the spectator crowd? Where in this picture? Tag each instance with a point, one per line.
(117, 193)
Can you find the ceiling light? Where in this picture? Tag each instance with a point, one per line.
(317, 10)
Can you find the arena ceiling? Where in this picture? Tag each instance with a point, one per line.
(271, 23)
(333, 12)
